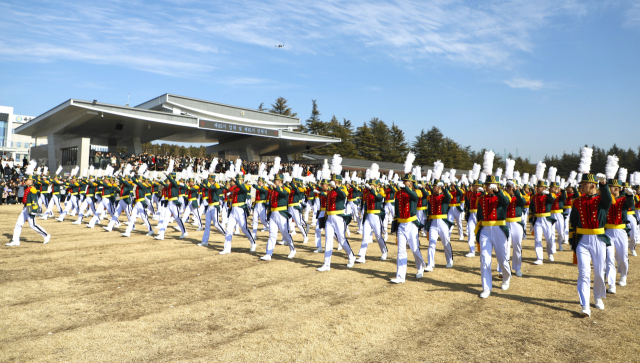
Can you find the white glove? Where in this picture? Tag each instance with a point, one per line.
(545, 192)
(440, 184)
(630, 191)
(419, 186)
(333, 184)
(493, 187)
(315, 191)
(601, 178)
(480, 189)
(368, 186)
(511, 183)
(228, 194)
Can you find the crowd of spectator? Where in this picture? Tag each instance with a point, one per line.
(11, 181)
(161, 163)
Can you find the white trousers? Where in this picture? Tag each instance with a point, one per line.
(422, 216)
(43, 201)
(171, 210)
(156, 200)
(237, 216)
(260, 214)
(211, 218)
(389, 214)
(493, 238)
(25, 217)
(104, 205)
(335, 226)
(316, 208)
(454, 215)
(543, 227)
(352, 209)
(516, 232)
(138, 211)
(72, 203)
(309, 208)
(439, 228)
(318, 230)
(408, 233)
(372, 225)
(297, 217)
(559, 226)
(471, 231)
(190, 209)
(88, 202)
(634, 232)
(122, 207)
(618, 251)
(278, 222)
(591, 249)
(525, 217)
(566, 225)
(54, 201)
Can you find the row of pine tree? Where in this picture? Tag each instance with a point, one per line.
(375, 140)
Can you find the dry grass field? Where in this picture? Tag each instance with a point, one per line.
(93, 296)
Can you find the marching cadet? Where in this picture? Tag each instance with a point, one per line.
(82, 193)
(470, 213)
(55, 198)
(492, 232)
(389, 205)
(542, 222)
(260, 206)
(171, 209)
(140, 206)
(526, 194)
(321, 199)
(437, 222)
(571, 194)
(423, 203)
(30, 202)
(106, 202)
(588, 238)
(337, 221)
(238, 194)
(352, 202)
(454, 215)
(617, 219)
(45, 195)
(557, 208)
(214, 193)
(88, 203)
(73, 187)
(406, 224)
(515, 224)
(191, 197)
(156, 197)
(295, 210)
(311, 203)
(279, 217)
(373, 198)
(124, 205)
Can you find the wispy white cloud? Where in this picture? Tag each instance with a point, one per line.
(632, 15)
(532, 84)
(183, 37)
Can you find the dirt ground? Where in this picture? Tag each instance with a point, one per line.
(93, 296)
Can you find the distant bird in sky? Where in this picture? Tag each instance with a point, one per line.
(280, 45)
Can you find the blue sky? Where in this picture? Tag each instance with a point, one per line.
(542, 76)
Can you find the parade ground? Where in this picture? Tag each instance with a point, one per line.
(93, 296)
